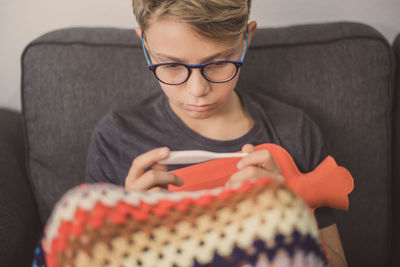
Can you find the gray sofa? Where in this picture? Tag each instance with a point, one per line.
(342, 74)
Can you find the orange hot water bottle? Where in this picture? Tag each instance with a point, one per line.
(327, 185)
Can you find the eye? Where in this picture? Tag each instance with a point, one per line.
(218, 63)
(172, 66)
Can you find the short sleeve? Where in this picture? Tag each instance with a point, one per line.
(103, 154)
(312, 144)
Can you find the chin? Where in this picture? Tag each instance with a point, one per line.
(181, 110)
(198, 115)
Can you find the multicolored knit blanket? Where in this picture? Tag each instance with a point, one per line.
(258, 223)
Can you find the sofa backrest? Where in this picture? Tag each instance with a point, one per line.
(341, 74)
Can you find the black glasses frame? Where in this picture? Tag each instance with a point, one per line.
(189, 67)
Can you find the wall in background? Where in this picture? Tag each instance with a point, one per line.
(22, 21)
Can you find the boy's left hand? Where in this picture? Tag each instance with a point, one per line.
(256, 165)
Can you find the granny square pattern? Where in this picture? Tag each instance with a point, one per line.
(257, 223)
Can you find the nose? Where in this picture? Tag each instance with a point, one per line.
(197, 85)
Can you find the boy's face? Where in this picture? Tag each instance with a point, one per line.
(197, 98)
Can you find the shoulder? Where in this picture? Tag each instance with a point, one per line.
(138, 109)
(135, 115)
(119, 132)
(282, 115)
(268, 103)
(292, 127)
(124, 124)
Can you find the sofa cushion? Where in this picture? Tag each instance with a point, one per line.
(339, 73)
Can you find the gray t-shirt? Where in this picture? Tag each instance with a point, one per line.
(126, 133)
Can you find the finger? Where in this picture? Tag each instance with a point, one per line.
(144, 161)
(158, 189)
(154, 178)
(262, 158)
(159, 167)
(248, 148)
(251, 173)
(248, 173)
(164, 186)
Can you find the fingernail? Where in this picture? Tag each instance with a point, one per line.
(180, 181)
(163, 151)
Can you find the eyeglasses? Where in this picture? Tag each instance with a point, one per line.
(176, 73)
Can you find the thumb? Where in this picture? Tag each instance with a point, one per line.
(248, 148)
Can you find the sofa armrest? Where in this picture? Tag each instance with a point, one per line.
(20, 226)
(395, 159)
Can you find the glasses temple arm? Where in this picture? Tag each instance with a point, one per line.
(247, 42)
(144, 50)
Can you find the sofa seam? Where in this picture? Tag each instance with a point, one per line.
(321, 42)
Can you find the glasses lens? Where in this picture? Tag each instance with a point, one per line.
(220, 71)
(171, 73)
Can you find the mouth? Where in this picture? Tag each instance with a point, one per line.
(199, 108)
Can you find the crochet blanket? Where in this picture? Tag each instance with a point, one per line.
(259, 223)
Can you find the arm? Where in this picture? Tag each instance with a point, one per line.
(103, 153)
(144, 174)
(333, 246)
(104, 164)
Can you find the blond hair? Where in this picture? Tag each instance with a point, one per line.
(211, 18)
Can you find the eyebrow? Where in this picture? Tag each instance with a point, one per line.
(226, 53)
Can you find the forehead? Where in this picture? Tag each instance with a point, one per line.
(169, 37)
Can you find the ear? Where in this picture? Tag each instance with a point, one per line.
(251, 29)
(139, 32)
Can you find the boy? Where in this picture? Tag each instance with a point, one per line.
(196, 49)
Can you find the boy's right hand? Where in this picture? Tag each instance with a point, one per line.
(155, 179)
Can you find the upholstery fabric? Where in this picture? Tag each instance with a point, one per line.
(18, 213)
(396, 160)
(341, 74)
(70, 80)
